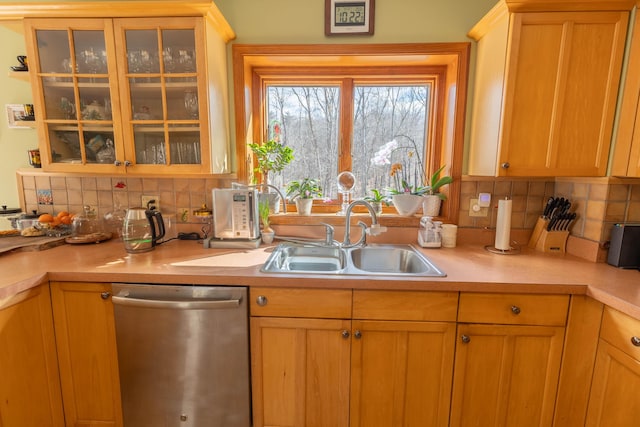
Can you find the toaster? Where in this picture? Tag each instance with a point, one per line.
(624, 249)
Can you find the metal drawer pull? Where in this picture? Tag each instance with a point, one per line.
(515, 309)
(173, 304)
(357, 334)
(345, 333)
(105, 295)
(466, 339)
(635, 341)
(261, 300)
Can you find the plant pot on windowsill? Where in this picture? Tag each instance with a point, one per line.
(303, 206)
(431, 205)
(407, 204)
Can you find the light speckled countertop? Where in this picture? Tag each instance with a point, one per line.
(469, 268)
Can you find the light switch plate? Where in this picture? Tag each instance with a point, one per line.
(476, 210)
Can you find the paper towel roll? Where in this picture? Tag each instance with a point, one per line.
(503, 225)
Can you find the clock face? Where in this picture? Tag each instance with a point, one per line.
(349, 17)
(350, 14)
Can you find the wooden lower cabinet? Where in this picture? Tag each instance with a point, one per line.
(29, 380)
(615, 391)
(351, 371)
(85, 338)
(507, 362)
(401, 373)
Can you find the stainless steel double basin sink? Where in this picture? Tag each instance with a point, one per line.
(402, 260)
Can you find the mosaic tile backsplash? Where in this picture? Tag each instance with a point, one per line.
(599, 203)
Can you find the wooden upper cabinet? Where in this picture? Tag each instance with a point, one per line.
(546, 89)
(626, 157)
(130, 95)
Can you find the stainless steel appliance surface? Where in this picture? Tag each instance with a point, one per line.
(235, 219)
(183, 355)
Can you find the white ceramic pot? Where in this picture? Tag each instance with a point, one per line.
(267, 237)
(304, 206)
(431, 205)
(407, 204)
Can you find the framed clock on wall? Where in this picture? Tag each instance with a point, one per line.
(343, 17)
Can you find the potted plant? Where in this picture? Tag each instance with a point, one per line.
(272, 156)
(267, 232)
(432, 197)
(303, 192)
(376, 199)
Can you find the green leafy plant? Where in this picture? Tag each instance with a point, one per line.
(377, 197)
(271, 156)
(436, 182)
(306, 188)
(263, 211)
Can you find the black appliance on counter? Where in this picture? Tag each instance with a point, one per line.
(624, 249)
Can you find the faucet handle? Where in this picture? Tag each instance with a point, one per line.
(328, 240)
(376, 229)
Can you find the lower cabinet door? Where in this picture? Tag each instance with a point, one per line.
(615, 391)
(506, 375)
(85, 335)
(29, 380)
(300, 372)
(401, 373)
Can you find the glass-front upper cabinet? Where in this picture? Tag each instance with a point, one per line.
(75, 76)
(121, 95)
(163, 84)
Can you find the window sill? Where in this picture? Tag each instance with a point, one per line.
(389, 220)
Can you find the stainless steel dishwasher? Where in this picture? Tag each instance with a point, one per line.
(183, 354)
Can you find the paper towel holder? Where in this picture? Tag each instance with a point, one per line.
(503, 226)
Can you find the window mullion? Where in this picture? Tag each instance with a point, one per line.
(346, 125)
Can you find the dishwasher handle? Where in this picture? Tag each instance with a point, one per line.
(189, 304)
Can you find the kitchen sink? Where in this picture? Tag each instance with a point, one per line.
(288, 258)
(402, 260)
(392, 259)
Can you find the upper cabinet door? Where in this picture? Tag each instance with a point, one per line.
(559, 83)
(121, 95)
(75, 93)
(164, 108)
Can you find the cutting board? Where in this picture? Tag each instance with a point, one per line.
(20, 243)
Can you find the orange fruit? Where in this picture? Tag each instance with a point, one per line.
(45, 218)
(62, 214)
(56, 222)
(65, 219)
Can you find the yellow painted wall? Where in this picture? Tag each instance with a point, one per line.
(255, 21)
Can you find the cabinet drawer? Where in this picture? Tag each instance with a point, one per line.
(621, 331)
(397, 305)
(292, 302)
(513, 309)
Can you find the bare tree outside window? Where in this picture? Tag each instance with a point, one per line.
(309, 122)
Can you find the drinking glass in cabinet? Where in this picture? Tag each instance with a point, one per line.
(149, 145)
(92, 62)
(191, 104)
(67, 108)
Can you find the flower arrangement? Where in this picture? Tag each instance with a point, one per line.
(306, 188)
(408, 172)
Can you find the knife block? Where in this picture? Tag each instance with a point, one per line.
(548, 241)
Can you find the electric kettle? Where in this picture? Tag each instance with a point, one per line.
(142, 229)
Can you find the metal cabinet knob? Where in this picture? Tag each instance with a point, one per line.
(117, 163)
(515, 309)
(505, 165)
(635, 341)
(345, 333)
(127, 163)
(466, 339)
(357, 334)
(105, 295)
(261, 300)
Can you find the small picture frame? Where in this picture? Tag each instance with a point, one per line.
(349, 17)
(18, 117)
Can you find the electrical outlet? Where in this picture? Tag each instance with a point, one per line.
(476, 210)
(146, 199)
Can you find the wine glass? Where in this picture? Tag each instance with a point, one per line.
(191, 103)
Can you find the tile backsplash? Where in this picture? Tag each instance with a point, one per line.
(599, 202)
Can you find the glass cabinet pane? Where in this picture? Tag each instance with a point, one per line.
(98, 145)
(90, 52)
(146, 99)
(184, 144)
(179, 51)
(54, 52)
(65, 145)
(142, 51)
(95, 99)
(150, 145)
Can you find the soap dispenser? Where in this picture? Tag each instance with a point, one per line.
(430, 233)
